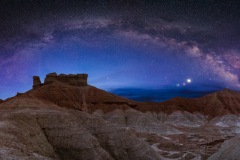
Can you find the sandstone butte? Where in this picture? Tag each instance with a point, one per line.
(66, 118)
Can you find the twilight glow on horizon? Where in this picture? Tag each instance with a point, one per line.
(170, 45)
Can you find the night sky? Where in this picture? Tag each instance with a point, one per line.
(147, 50)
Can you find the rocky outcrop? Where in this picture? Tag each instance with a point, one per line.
(70, 79)
(50, 78)
(230, 149)
(36, 82)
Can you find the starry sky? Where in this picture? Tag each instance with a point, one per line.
(147, 50)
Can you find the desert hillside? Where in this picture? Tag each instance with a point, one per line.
(66, 118)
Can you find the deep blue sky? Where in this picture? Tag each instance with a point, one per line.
(143, 48)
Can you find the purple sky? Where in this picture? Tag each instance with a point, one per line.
(169, 44)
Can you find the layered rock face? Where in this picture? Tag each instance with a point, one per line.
(230, 149)
(36, 82)
(64, 118)
(38, 129)
(70, 79)
(213, 105)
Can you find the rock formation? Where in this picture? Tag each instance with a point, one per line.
(70, 79)
(230, 149)
(36, 82)
(64, 118)
(213, 105)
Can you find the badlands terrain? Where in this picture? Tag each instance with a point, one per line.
(65, 118)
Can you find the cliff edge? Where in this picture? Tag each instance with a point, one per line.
(79, 80)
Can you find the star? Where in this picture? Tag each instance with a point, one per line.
(189, 80)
